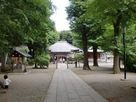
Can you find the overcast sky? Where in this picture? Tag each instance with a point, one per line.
(60, 15)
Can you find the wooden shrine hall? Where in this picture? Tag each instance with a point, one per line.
(62, 50)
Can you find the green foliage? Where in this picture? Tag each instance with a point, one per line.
(66, 36)
(12, 20)
(40, 25)
(77, 40)
(25, 22)
(82, 26)
(87, 29)
(130, 63)
(52, 37)
(115, 13)
(105, 38)
(79, 57)
(109, 10)
(43, 60)
(131, 47)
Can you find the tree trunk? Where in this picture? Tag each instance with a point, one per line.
(95, 60)
(3, 63)
(116, 68)
(36, 65)
(86, 63)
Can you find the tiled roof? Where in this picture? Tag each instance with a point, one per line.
(62, 46)
(19, 53)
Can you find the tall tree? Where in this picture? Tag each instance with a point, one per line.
(87, 29)
(112, 12)
(78, 25)
(12, 24)
(25, 22)
(96, 31)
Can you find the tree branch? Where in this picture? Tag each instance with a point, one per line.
(130, 8)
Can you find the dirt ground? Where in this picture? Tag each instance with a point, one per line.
(29, 87)
(109, 85)
(32, 87)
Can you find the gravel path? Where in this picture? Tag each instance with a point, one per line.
(109, 85)
(30, 87)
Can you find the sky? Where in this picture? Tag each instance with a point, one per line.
(60, 15)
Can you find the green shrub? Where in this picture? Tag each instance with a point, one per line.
(79, 57)
(43, 60)
(131, 57)
(131, 62)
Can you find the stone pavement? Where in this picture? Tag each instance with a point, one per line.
(68, 87)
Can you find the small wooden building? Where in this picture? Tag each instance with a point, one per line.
(62, 50)
(19, 57)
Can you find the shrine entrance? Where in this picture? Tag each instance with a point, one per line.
(61, 51)
(63, 59)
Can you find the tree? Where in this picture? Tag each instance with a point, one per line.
(96, 31)
(107, 37)
(114, 13)
(131, 5)
(66, 36)
(25, 22)
(78, 25)
(11, 30)
(131, 47)
(87, 29)
(52, 37)
(40, 25)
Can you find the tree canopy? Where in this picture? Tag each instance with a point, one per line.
(86, 30)
(66, 36)
(97, 22)
(116, 13)
(25, 22)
